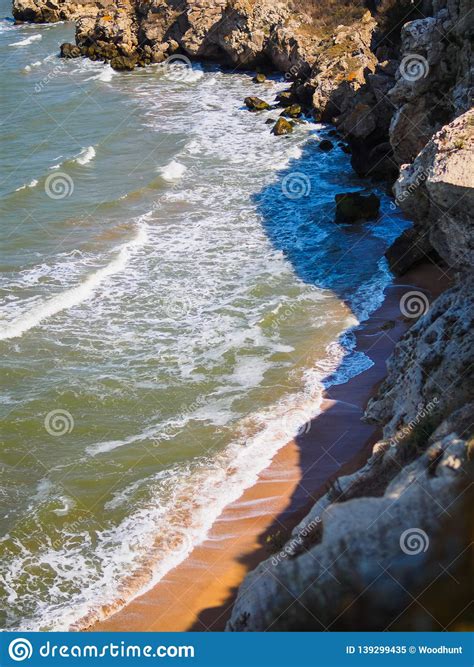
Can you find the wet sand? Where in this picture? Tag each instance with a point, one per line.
(198, 593)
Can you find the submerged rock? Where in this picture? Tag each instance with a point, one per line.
(256, 104)
(354, 206)
(282, 126)
(325, 145)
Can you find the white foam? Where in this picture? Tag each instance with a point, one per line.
(28, 68)
(75, 295)
(31, 184)
(173, 171)
(85, 156)
(28, 40)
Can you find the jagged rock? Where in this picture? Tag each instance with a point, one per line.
(50, 11)
(124, 63)
(325, 145)
(256, 104)
(354, 207)
(68, 50)
(338, 71)
(432, 363)
(437, 190)
(434, 77)
(282, 126)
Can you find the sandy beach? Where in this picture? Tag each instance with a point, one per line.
(198, 594)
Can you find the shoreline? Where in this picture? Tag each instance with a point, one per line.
(198, 594)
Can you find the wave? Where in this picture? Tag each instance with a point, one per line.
(27, 40)
(173, 171)
(85, 156)
(28, 68)
(74, 296)
(31, 184)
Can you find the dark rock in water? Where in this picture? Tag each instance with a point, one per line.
(412, 247)
(333, 133)
(345, 148)
(282, 126)
(269, 121)
(293, 111)
(256, 104)
(354, 206)
(286, 98)
(124, 63)
(325, 145)
(259, 78)
(68, 50)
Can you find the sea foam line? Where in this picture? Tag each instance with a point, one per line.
(75, 295)
(28, 40)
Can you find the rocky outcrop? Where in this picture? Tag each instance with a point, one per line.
(437, 192)
(50, 11)
(435, 79)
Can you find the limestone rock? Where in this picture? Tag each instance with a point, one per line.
(437, 191)
(68, 50)
(377, 529)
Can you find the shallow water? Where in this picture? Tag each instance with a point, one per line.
(170, 310)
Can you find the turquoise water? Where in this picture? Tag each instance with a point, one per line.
(169, 314)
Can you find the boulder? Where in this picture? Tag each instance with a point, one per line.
(282, 126)
(285, 98)
(354, 207)
(256, 104)
(325, 145)
(259, 78)
(124, 63)
(68, 50)
(293, 111)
